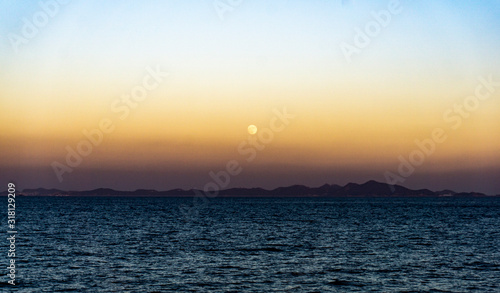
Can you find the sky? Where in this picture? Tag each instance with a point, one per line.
(404, 92)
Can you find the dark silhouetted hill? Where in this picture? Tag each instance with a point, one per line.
(368, 189)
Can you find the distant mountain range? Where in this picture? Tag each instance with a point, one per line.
(369, 189)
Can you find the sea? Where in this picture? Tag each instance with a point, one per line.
(120, 244)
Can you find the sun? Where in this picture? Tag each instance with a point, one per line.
(252, 129)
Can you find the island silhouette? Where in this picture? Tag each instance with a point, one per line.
(370, 188)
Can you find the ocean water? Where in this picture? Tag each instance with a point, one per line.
(258, 245)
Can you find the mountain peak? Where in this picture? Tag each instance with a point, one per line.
(367, 189)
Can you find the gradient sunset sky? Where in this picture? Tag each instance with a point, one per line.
(228, 70)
